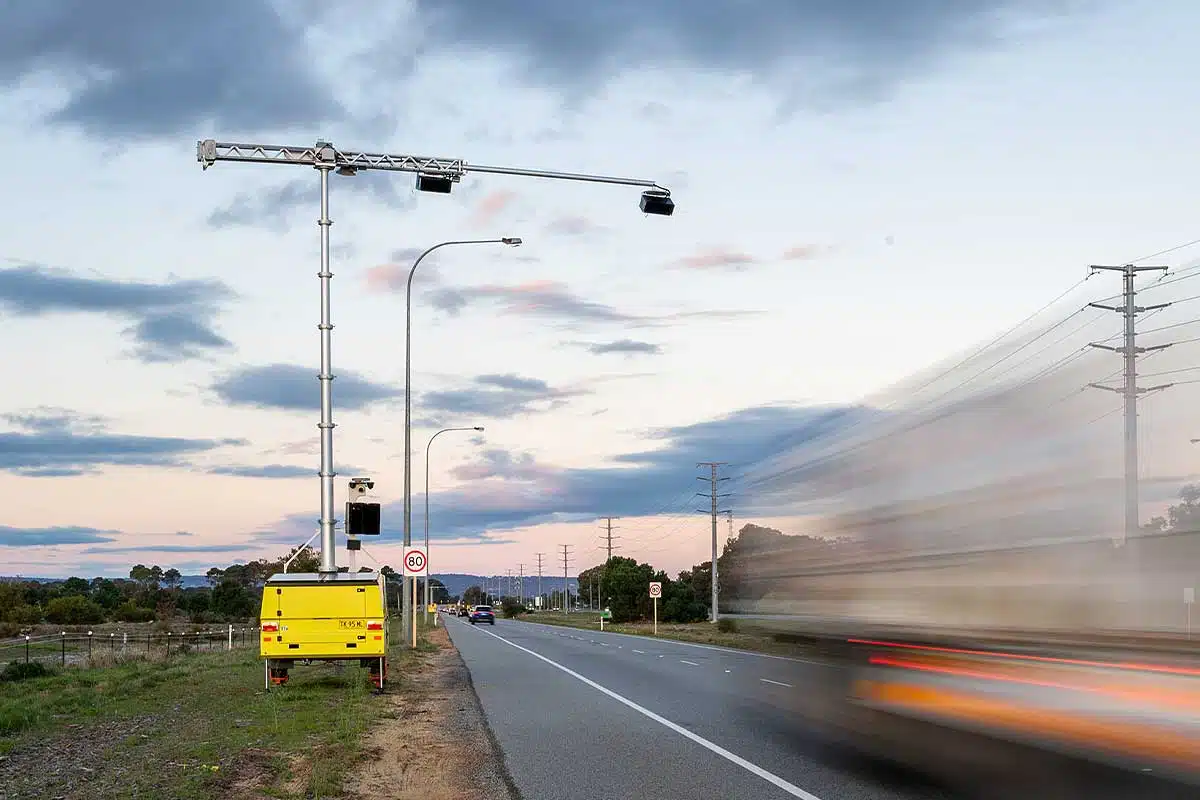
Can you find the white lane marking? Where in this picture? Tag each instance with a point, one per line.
(728, 670)
(718, 648)
(754, 769)
(602, 644)
(777, 683)
(685, 661)
(643, 652)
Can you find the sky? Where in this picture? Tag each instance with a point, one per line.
(861, 189)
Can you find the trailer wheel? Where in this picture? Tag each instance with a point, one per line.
(278, 675)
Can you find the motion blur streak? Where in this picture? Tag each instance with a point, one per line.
(964, 547)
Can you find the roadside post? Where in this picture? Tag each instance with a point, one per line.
(605, 614)
(655, 593)
(416, 565)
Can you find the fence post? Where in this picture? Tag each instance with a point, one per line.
(230, 638)
(27, 648)
(112, 643)
(168, 644)
(64, 648)
(89, 644)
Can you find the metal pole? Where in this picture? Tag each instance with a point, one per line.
(656, 616)
(414, 619)
(1131, 403)
(714, 542)
(428, 572)
(408, 393)
(328, 554)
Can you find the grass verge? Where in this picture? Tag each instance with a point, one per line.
(743, 638)
(197, 726)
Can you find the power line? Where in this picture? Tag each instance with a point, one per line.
(608, 537)
(714, 481)
(539, 558)
(1130, 391)
(566, 558)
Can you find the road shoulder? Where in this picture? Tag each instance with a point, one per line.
(434, 740)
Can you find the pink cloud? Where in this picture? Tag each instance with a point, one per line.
(717, 258)
(803, 252)
(387, 277)
(492, 205)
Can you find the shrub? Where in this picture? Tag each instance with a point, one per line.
(9, 630)
(511, 608)
(24, 614)
(74, 610)
(21, 671)
(128, 612)
(726, 625)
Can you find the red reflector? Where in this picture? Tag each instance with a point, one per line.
(270, 626)
(374, 626)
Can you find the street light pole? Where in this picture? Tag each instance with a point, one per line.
(428, 573)
(511, 241)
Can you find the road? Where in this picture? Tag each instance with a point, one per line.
(581, 713)
(591, 714)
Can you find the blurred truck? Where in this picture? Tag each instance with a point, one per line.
(964, 589)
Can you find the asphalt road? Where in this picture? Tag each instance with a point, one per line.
(589, 714)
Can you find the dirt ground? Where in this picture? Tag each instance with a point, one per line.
(434, 741)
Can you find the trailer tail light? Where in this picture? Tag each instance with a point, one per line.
(374, 626)
(270, 627)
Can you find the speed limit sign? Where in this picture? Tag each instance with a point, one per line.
(656, 589)
(416, 562)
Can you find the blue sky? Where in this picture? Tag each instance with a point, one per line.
(862, 189)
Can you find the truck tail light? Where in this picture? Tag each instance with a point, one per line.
(270, 627)
(374, 626)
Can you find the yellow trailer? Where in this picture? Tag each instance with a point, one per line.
(309, 617)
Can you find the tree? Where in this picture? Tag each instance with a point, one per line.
(172, 578)
(1185, 516)
(214, 575)
(106, 593)
(73, 610)
(473, 596)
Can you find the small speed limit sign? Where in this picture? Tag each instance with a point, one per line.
(416, 563)
(656, 589)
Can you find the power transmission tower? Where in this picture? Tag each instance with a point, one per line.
(509, 582)
(1130, 391)
(566, 557)
(713, 495)
(539, 558)
(609, 536)
(521, 584)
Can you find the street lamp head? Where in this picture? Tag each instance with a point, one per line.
(657, 202)
(512, 241)
(347, 171)
(477, 428)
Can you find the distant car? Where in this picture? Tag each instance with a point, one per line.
(483, 614)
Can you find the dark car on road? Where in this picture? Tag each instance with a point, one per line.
(483, 614)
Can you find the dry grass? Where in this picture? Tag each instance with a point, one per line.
(433, 735)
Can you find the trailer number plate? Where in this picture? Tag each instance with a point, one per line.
(351, 623)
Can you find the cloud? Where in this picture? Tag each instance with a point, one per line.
(277, 471)
(492, 205)
(50, 444)
(146, 68)
(294, 388)
(553, 300)
(803, 252)
(171, 321)
(573, 226)
(627, 346)
(816, 52)
(496, 397)
(169, 548)
(717, 258)
(510, 490)
(48, 537)
(272, 208)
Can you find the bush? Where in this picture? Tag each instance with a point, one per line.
(511, 609)
(9, 630)
(726, 625)
(21, 671)
(128, 612)
(24, 615)
(74, 610)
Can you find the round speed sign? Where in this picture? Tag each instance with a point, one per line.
(415, 561)
(656, 589)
